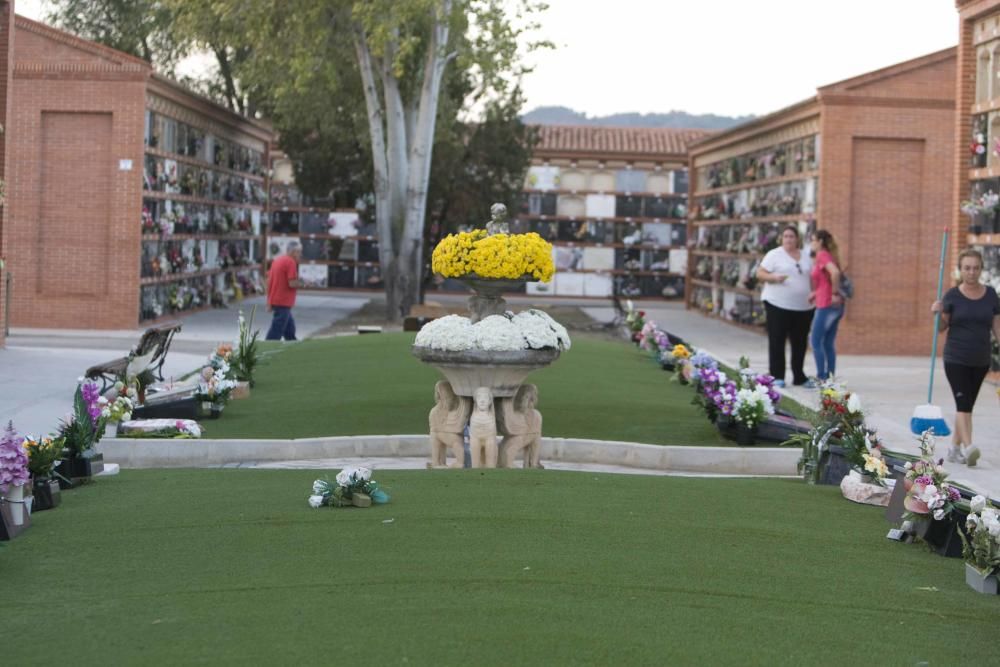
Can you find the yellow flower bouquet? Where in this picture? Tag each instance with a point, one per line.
(500, 256)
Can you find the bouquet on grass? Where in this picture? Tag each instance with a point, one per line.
(839, 406)
(83, 427)
(247, 354)
(14, 470)
(981, 549)
(161, 428)
(43, 454)
(634, 320)
(864, 450)
(710, 383)
(221, 357)
(215, 385)
(682, 362)
(749, 399)
(353, 486)
(927, 493)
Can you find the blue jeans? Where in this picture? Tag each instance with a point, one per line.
(282, 324)
(824, 333)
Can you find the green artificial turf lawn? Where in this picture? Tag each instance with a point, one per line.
(492, 567)
(357, 385)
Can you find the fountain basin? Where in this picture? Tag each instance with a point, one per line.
(501, 371)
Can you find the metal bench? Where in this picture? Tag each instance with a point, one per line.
(149, 354)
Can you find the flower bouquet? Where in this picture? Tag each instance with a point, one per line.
(14, 477)
(981, 546)
(80, 431)
(214, 388)
(161, 428)
(681, 356)
(353, 486)
(930, 500)
(247, 354)
(634, 320)
(839, 406)
(43, 454)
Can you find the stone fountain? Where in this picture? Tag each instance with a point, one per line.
(485, 389)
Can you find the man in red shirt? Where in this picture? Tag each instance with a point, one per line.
(282, 284)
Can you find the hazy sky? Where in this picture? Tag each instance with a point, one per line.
(730, 57)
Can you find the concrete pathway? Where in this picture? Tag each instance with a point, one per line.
(889, 387)
(39, 367)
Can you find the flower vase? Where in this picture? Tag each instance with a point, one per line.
(361, 500)
(940, 535)
(15, 499)
(47, 494)
(746, 436)
(979, 582)
(111, 430)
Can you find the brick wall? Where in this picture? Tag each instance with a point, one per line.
(886, 194)
(73, 231)
(6, 59)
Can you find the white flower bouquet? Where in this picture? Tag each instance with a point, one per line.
(981, 549)
(352, 485)
(752, 406)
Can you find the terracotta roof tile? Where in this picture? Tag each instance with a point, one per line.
(611, 140)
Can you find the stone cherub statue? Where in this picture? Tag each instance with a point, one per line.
(521, 426)
(483, 430)
(498, 220)
(447, 419)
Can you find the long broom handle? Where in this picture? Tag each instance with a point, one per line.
(937, 317)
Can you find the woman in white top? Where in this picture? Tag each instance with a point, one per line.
(784, 272)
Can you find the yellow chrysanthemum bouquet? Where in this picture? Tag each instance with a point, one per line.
(500, 256)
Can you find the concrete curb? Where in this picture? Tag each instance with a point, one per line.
(167, 453)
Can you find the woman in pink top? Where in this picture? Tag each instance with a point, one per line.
(829, 304)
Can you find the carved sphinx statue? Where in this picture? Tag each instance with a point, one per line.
(483, 430)
(521, 426)
(498, 220)
(447, 420)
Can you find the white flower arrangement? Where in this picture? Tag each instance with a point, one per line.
(496, 332)
(214, 385)
(452, 332)
(528, 330)
(538, 328)
(350, 481)
(752, 406)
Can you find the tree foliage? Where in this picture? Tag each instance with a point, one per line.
(362, 94)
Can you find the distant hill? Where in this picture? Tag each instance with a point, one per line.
(678, 119)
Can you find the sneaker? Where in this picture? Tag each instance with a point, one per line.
(955, 455)
(810, 384)
(972, 457)
(779, 383)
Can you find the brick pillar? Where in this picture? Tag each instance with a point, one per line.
(6, 81)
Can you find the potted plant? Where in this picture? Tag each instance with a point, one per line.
(15, 508)
(247, 354)
(84, 428)
(213, 390)
(118, 409)
(43, 454)
(981, 548)
(930, 501)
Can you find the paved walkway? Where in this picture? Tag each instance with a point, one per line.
(39, 368)
(889, 387)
